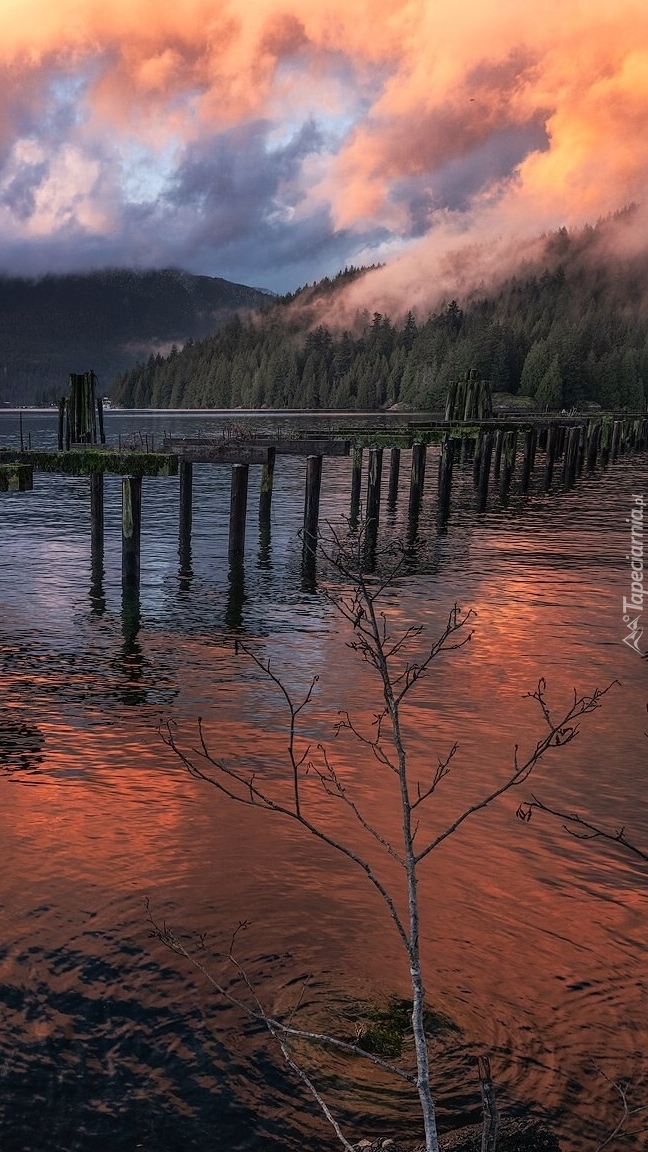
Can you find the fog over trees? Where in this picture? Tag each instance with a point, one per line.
(570, 330)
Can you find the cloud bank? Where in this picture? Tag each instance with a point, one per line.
(273, 141)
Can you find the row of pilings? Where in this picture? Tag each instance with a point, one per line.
(557, 451)
(554, 452)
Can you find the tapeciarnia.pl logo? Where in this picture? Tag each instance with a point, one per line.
(633, 607)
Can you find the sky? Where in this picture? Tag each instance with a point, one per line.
(273, 142)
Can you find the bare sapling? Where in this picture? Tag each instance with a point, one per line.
(399, 665)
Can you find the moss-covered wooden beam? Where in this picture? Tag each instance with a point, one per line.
(90, 461)
(16, 478)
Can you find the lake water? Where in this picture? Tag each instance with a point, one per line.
(534, 942)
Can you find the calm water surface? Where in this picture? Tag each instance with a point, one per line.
(534, 943)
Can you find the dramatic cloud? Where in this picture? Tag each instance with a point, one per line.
(273, 141)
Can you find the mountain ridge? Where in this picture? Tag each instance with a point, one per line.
(106, 320)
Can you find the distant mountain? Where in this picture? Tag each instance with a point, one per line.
(106, 321)
(567, 329)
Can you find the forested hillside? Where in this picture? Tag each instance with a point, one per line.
(104, 321)
(571, 328)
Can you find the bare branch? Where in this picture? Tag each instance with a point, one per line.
(249, 793)
(165, 934)
(441, 771)
(560, 733)
(622, 1090)
(580, 828)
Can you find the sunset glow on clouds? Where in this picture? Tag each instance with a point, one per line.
(274, 141)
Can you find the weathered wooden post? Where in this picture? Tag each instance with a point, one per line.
(97, 515)
(527, 463)
(606, 441)
(61, 422)
(373, 506)
(20, 422)
(90, 387)
(312, 503)
(373, 486)
(238, 512)
(580, 449)
(131, 532)
(185, 519)
(97, 542)
(550, 457)
(568, 459)
(102, 433)
(616, 437)
(477, 458)
(484, 473)
(574, 453)
(508, 464)
(394, 473)
(446, 461)
(593, 441)
(356, 484)
(534, 447)
(417, 480)
(499, 441)
(451, 399)
(267, 482)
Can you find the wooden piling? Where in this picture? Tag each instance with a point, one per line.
(550, 456)
(100, 419)
(97, 514)
(484, 472)
(373, 507)
(238, 512)
(373, 486)
(267, 482)
(394, 472)
(605, 442)
(312, 502)
(185, 518)
(477, 458)
(527, 462)
(569, 458)
(417, 479)
(580, 449)
(61, 423)
(574, 452)
(616, 437)
(356, 484)
(593, 441)
(499, 441)
(446, 461)
(131, 531)
(508, 464)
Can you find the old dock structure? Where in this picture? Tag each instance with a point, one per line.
(556, 450)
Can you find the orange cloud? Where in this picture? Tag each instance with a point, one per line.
(497, 119)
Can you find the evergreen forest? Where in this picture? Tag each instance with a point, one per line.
(569, 330)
